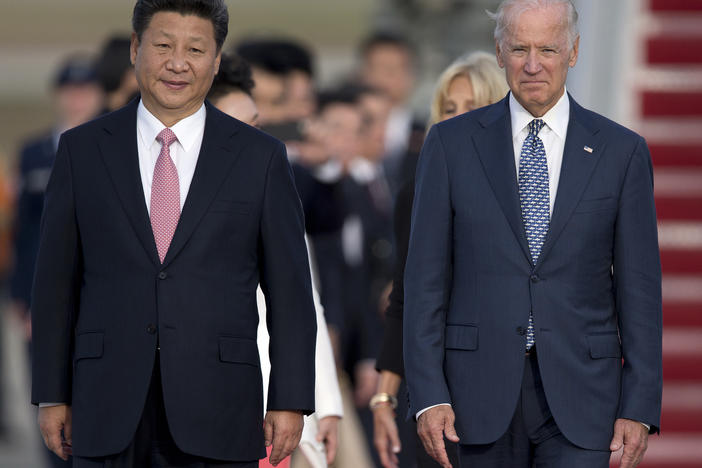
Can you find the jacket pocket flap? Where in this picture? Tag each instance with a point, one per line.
(604, 346)
(240, 350)
(597, 204)
(461, 337)
(88, 345)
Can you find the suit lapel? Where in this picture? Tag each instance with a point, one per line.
(576, 171)
(213, 165)
(496, 152)
(118, 146)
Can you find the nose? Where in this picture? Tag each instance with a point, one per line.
(177, 63)
(532, 65)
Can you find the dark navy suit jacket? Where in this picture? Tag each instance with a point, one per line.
(595, 292)
(102, 299)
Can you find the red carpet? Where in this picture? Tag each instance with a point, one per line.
(671, 114)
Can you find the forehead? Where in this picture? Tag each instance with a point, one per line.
(170, 23)
(388, 52)
(459, 83)
(545, 25)
(341, 111)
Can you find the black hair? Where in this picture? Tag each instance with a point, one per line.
(113, 62)
(213, 10)
(277, 56)
(387, 38)
(344, 94)
(234, 75)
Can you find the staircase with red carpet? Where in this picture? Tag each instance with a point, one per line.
(669, 99)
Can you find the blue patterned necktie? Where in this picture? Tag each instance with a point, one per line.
(534, 198)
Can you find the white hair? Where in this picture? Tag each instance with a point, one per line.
(509, 11)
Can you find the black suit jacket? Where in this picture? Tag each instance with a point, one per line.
(102, 301)
(390, 357)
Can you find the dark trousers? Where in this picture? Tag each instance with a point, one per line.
(533, 439)
(153, 445)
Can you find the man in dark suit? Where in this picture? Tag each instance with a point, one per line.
(534, 229)
(160, 220)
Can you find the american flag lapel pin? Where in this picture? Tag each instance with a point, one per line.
(588, 149)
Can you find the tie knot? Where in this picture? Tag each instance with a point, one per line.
(535, 127)
(166, 137)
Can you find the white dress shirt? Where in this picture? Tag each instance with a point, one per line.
(553, 135)
(184, 152)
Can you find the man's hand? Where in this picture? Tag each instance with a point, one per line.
(633, 437)
(52, 420)
(385, 437)
(328, 435)
(282, 429)
(432, 426)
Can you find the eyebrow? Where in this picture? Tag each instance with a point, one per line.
(191, 38)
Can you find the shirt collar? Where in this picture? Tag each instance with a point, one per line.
(186, 130)
(556, 118)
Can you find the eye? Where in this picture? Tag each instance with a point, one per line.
(195, 50)
(162, 46)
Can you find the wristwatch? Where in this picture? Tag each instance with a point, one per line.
(380, 398)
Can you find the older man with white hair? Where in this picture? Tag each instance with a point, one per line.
(533, 288)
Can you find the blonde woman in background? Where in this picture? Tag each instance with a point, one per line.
(470, 82)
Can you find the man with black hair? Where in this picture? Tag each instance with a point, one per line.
(284, 76)
(231, 90)
(161, 219)
(388, 63)
(115, 73)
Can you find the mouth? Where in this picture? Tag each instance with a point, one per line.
(533, 83)
(175, 85)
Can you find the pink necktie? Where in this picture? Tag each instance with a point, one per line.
(165, 195)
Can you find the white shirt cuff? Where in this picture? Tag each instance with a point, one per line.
(419, 413)
(46, 405)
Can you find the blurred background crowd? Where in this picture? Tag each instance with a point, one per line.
(348, 87)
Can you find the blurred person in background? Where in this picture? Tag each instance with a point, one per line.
(284, 75)
(116, 73)
(231, 90)
(231, 93)
(77, 98)
(470, 82)
(351, 126)
(389, 64)
(283, 70)
(532, 316)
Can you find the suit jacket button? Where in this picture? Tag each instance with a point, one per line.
(535, 278)
(521, 331)
(162, 275)
(151, 329)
